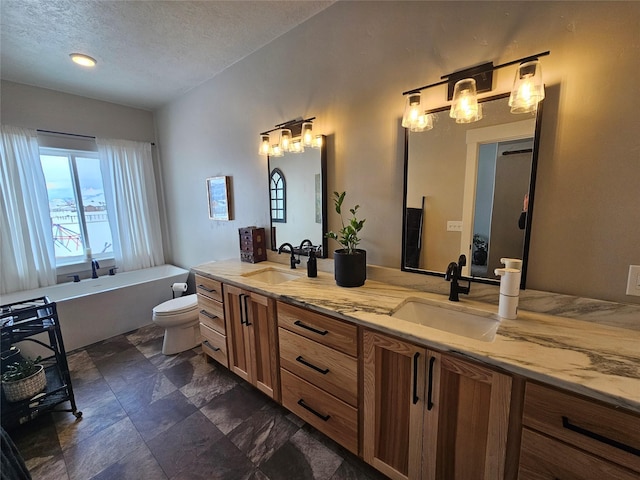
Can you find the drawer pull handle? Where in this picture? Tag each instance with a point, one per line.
(298, 323)
(209, 290)
(207, 314)
(415, 378)
(310, 365)
(215, 349)
(432, 360)
(307, 407)
(600, 438)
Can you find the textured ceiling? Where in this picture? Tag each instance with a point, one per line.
(148, 52)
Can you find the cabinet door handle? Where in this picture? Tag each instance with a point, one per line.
(246, 311)
(215, 349)
(307, 407)
(207, 314)
(415, 377)
(600, 438)
(208, 290)
(310, 365)
(298, 323)
(432, 360)
(240, 297)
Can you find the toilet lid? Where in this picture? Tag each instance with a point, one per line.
(177, 305)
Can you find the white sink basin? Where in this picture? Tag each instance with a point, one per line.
(272, 276)
(482, 326)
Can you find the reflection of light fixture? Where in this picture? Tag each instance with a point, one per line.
(528, 89)
(296, 146)
(294, 135)
(464, 107)
(82, 59)
(264, 145)
(464, 85)
(307, 134)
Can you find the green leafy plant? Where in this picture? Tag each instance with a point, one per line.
(22, 369)
(348, 234)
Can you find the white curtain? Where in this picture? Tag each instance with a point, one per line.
(27, 255)
(132, 203)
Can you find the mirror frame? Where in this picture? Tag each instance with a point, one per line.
(532, 188)
(323, 179)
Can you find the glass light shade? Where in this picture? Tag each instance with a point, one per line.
(465, 107)
(264, 145)
(423, 123)
(307, 134)
(296, 146)
(528, 89)
(412, 110)
(285, 139)
(317, 141)
(276, 150)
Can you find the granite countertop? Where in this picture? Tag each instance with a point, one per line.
(597, 360)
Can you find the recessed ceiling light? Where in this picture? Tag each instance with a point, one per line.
(84, 60)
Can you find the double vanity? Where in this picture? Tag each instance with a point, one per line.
(422, 388)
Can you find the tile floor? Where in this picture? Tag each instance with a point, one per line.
(151, 416)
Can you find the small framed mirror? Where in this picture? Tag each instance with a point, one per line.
(469, 189)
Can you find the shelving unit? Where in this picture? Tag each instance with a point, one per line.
(22, 321)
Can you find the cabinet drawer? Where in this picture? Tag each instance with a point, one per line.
(607, 432)
(214, 345)
(325, 367)
(544, 458)
(211, 314)
(328, 414)
(209, 288)
(326, 330)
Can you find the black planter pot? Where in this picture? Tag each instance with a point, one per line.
(350, 270)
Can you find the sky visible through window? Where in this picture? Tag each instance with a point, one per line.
(63, 206)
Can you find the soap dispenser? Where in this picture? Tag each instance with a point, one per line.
(312, 264)
(509, 287)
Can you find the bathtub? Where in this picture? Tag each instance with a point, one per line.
(96, 309)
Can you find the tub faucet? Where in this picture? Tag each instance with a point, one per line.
(293, 260)
(95, 266)
(453, 275)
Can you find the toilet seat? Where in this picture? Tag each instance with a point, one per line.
(176, 311)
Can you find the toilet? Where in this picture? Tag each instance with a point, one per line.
(179, 318)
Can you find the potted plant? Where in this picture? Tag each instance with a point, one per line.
(23, 379)
(350, 262)
(480, 252)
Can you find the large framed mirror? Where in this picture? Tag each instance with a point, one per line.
(469, 189)
(298, 198)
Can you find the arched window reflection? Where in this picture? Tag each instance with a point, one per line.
(278, 192)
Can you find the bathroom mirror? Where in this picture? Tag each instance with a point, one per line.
(297, 192)
(465, 190)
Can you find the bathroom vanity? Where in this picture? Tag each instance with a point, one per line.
(537, 397)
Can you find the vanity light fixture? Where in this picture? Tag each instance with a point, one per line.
(317, 142)
(464, 85)
(294, 135)
(84, 60)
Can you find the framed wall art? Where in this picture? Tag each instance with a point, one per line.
(218, 196)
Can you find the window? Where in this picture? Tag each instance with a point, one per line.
(76, 204)
(278, 193)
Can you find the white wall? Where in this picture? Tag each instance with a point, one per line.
(349, 65)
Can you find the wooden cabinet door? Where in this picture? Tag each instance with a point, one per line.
(394, 380)
(238, 336)
(262, 329)
(466, 420)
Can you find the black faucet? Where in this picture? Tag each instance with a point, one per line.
(95, 266)
(454, 273)
(293, 260)
(305, 242)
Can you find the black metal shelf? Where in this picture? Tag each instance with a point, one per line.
(20, 322)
